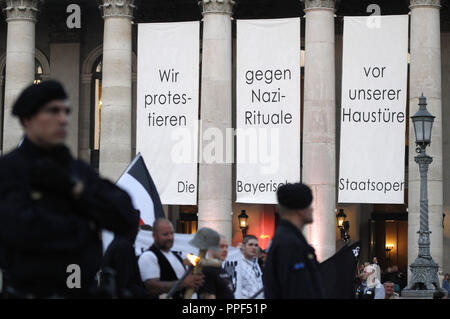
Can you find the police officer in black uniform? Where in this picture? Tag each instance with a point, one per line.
(291, 269)
(52, 206)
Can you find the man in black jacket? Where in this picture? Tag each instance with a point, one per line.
(52, 207)
(291, 270)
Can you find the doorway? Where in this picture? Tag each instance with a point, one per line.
(389, 240)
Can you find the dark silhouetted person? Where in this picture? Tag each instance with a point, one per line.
(52, 206)
(218, 283)
(291, 270)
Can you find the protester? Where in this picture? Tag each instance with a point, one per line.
(250, 275)
(120, 257)
(373, 283)
(262, 256)
(446, 283)
(388, 275)
(292, 270)
(363, 292)
(371, 287)
(218, 283)
(53, 206)
(396, 278)
(358, 277)
(377, 268)
(160, 268)
(389, 291)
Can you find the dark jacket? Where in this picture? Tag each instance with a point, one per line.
(291, 270)
(44, 229)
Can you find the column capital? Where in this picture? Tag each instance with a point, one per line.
(117, 8)
(421, 3)
(22, 9)
(318, 4)
(217, 6)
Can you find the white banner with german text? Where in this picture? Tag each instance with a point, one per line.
(167, 107)
(268, 108)
(373, 110)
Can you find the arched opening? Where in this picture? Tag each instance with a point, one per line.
(96, 108)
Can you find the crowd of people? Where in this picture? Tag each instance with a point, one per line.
(53, 208)
(373, 283)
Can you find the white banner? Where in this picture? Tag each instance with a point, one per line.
(268, 108)
(373, 113)
(167, 107)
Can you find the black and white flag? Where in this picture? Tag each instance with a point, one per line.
(138, 183)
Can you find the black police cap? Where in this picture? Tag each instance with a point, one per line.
(35, 96)
(294, 196)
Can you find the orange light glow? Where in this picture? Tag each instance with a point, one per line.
(193, 259)
(266, 227)
(390, 246)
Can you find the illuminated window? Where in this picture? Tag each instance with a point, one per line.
(38, 72)
(96, 108)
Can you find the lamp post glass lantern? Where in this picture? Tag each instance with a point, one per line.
(340, 217)
(243, 222)
(424, 271)
(423, 124)
(343, 225)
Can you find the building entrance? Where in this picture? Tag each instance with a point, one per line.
(388, 242)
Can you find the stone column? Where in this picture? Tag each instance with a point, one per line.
(425, 77)
(319, 116)
(214, 197)
(20, 68)
(115, 135)
(65, 62)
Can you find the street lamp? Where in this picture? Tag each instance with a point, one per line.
(343, 225)
(424, 271)
(243, 222)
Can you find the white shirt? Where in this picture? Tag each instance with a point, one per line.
(249, 279)
(378, 271)
(149, 267)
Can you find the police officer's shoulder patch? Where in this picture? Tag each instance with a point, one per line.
(299, 265)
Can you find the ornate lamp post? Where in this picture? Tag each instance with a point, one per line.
(343, 225)
(424, 271)
(243, 222)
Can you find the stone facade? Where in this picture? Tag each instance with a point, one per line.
(114, 39)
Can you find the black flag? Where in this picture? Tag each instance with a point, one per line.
(338, 272)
